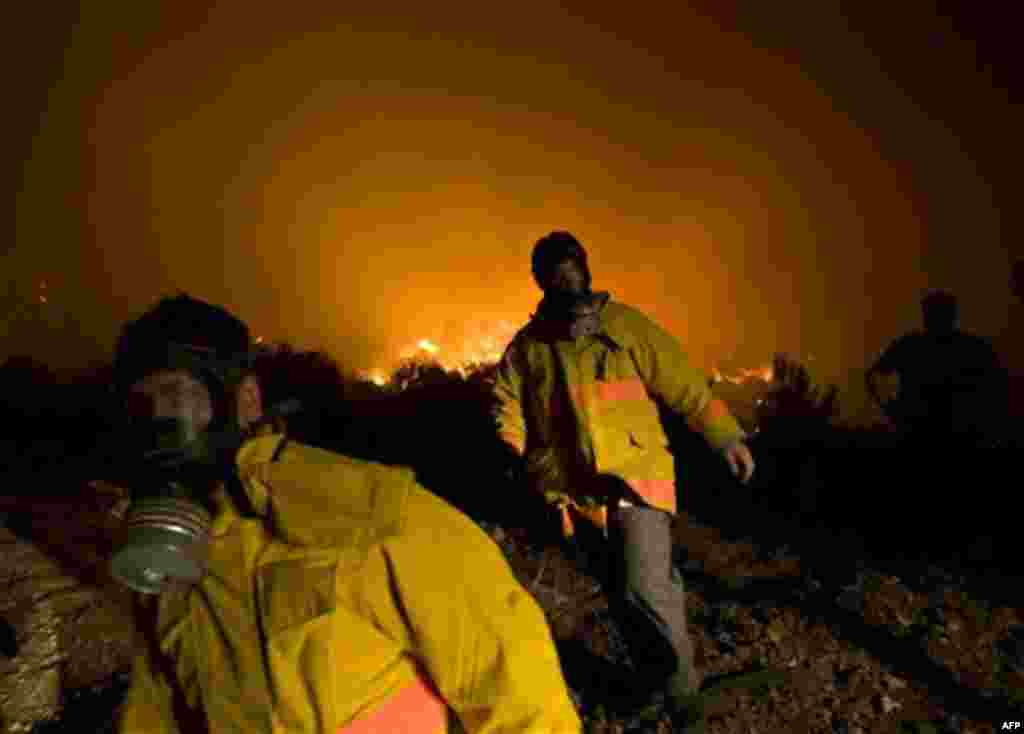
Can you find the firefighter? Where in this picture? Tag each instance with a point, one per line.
(284, 588)
(577, 393)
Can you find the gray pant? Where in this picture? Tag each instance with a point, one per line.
(647, 596)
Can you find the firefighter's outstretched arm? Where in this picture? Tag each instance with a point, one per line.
(478, 634)
(669, 376)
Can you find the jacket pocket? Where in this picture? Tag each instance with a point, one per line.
(294, 592)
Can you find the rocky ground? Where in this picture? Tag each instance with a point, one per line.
(65, 626)
(860, 644)
(851, 641)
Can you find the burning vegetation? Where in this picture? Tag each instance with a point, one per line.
(476, 351)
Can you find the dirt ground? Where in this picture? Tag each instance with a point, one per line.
(865, 644)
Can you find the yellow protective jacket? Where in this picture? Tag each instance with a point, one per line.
(579, 408)
(352, 601)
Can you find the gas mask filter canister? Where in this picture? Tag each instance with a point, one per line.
(173, 469)
(165, 542)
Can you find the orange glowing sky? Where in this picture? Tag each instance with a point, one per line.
(359, 181)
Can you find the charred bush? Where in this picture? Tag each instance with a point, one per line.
(315, 380)
(27, 391)
(449, 439)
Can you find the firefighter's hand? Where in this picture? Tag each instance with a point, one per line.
(740, 460)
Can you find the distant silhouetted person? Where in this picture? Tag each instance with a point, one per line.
(952, 385)
(1012, 343)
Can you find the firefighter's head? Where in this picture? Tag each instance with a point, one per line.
(188, 359)
(940, 312)
(185, 388)
(560, 265)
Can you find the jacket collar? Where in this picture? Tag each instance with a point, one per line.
(254, 453)
(545, 329)
(258, 450)
(587, 320)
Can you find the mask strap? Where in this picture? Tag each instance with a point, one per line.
(239, 497)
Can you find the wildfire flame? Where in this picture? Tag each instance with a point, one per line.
(483, 346)
(765, 373)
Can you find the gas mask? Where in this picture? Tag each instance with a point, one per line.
(172, 467)
(566, 303)
(575, 310)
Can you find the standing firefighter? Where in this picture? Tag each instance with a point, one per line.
(290, 589)
(578, 392)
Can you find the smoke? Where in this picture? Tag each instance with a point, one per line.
(357, 182)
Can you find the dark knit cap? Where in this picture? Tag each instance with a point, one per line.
(553, 249)
(179, 331)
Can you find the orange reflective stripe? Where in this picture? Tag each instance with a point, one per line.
(715, 411)
(658, 492)
(631, 389)
(568, 526)
(417, 707)
(514, 440)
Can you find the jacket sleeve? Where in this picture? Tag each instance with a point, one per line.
(163, 691)
(445, 590)
(669, 376)
(508, 392)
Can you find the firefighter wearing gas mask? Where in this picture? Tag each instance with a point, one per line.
(289, 588)
(190, 401)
